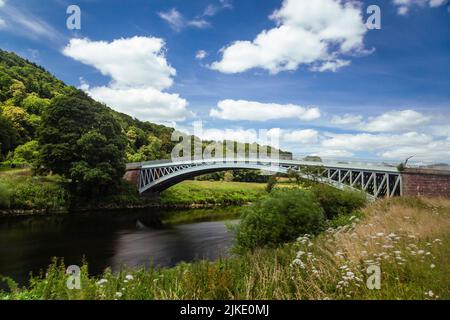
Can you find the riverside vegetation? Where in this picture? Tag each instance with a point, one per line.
(409, 238)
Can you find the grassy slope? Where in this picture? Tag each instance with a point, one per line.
(214, 193)
(409, 238)
(28, 192)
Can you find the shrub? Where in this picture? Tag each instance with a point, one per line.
(34, 195)
(337, 202)
(271, 183)
(281, 217)
(5, 196)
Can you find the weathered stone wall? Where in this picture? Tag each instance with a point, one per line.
(132, 176)
(426, 182)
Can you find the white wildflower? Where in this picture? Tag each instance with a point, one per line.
(101, 282)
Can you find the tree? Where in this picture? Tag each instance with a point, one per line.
(149, 152)
(20, 119)
(18, 92)
(8, 136)
(136, 137)
(80, 140)
(27, 153)
(35, 105)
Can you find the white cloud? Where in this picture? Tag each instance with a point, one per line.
(177, 21)
(143, 103)
(347, 119)
(331, 65)
(139, 72)
(307, 32)
(200, 55)
(174, 18)
(374, 142)
(137, 61)
(256, 111)
(240, 135)
(307, 136)
(24, 23)
(391, 121)
(198, 23)
(332, 153)
(395, 121)
(405, 5)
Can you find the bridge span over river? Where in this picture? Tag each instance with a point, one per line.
(376, 180)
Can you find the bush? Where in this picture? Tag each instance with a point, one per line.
(281, 217)
(5, 196)
(35, 195)
(337, 202)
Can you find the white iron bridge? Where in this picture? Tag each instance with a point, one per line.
(375, 180)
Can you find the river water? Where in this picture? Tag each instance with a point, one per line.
(128, 238)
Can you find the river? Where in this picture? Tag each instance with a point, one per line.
(122, 238)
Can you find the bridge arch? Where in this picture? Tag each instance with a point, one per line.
(375, 181)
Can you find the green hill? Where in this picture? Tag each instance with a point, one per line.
(26, 89)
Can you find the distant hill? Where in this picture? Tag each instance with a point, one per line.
(26, 89)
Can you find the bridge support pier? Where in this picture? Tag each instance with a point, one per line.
(132, 176)
(426, 182)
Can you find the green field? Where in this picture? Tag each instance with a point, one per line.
(212, 193)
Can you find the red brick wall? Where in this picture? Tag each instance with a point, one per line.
(132, 176)
(426, 182)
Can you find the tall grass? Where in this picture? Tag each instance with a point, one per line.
(24, 191)
(408, 238)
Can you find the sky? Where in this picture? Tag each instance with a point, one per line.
(309, 72)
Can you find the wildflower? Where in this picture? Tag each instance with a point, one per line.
(430, 294)
(420, 252)
(298, 262)
(432, 266)
(119, 294)
(101, 282)
(129, 277)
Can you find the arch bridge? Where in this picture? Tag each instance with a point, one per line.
(376, 181)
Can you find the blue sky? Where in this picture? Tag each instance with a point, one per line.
(308, 71)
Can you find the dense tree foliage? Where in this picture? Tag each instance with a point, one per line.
(26, 91)
(8, 136)
(80, 140)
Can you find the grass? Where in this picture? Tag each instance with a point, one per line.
(200, 215)
(27, 192)
(409, 239)
(212, 193)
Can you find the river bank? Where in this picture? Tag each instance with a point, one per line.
(22, 194)
(408, 238)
